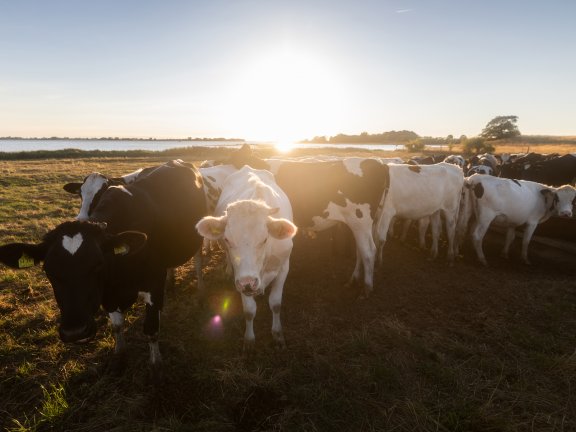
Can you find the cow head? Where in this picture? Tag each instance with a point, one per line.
(248, 231)
(79, 258)
(89, 190)
(565, 200)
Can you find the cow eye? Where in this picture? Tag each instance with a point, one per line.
(228, 242)
(263, 242)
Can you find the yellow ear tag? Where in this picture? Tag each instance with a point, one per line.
(25, 261)
(121, 250)
(215, 230)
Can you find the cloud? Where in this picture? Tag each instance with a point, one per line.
(401, 11)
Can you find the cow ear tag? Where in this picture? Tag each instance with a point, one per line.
(121, 250)
(25, 261)
(215, 230)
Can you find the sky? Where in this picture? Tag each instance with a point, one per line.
(272, 70)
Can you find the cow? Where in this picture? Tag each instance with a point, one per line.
(512, 203)
(455, 160)
(420, 191)
(134, 234)
(253, 217)
(326, 193)
(480, 169)
(552, 172)
(515, 168)
(94, 185)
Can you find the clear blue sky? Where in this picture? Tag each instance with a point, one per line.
(290, 69)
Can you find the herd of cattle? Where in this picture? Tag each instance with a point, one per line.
(131, 231)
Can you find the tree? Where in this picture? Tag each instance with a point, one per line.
(501, 127)
(416, 145)
(476, 145)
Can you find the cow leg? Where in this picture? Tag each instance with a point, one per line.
(510, 235)
(275, 303)
(381, 232)
(151, 328)
(422, 228)
(366, 251)
(528, 232)
(117, 324)
(249, 307)
(435, 227)
(200, 290)
(450, 224)
(477, 236)
(170, 278)
(405, 228)
(154, 304)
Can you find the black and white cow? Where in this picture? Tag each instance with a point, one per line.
(513, 203)
(135, 233)
(94, 185)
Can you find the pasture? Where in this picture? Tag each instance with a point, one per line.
(436, 348)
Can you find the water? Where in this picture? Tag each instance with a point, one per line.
(7, 145)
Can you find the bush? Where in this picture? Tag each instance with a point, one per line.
(476, 146)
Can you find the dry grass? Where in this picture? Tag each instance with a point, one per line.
(436, 348)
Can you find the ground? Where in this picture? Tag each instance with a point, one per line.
(435, 348)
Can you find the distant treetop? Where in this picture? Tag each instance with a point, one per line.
(366, 138)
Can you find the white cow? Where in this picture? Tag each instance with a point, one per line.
(420, 191)
(512, 203)
(253, 219)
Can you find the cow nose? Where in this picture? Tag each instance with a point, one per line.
(566, 213)
(247, 285)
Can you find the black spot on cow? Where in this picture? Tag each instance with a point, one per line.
(359, 213)
(415, 168)
(478, 190)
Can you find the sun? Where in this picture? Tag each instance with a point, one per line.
(285, 96)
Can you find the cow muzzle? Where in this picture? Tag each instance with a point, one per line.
(81, 334)
(248, 286)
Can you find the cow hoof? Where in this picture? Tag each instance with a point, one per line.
(156, 374)
(278, 341)
(248, 349)
(117, 364)
(366, 292)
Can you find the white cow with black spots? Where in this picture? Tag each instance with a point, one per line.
(420, 191)
(513, 203)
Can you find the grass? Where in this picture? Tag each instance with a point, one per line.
(436, 348)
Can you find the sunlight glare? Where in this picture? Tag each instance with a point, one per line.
(285, 96)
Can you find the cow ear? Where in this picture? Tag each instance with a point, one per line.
(22, 255)
(211, 227)
(281, 228)
(126, 243)
(550, 198)
(73, 188)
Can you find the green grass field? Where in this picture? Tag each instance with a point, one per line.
(436, 348)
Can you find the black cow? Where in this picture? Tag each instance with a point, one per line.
(552, 172)
(515, 169)
(135, 233)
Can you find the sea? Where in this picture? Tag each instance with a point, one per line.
(19, 145)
